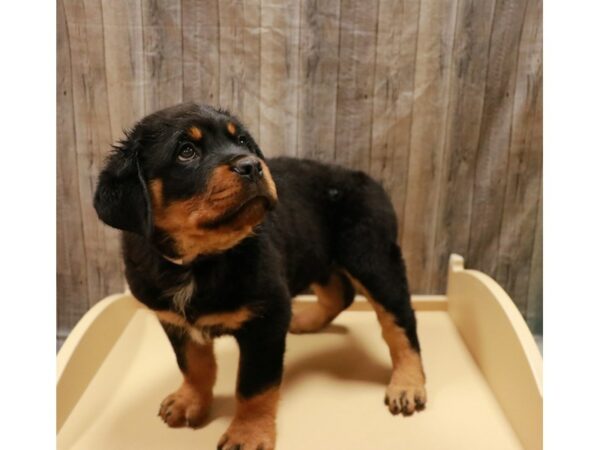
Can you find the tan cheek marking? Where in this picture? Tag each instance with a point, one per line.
(195, 133)
(269, 180)
(231, 128)
(187, 215)
(183, 219)
(156, 192)
(229, 320)
(222, 182)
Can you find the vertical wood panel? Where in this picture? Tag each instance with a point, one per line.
(72, 295)
(92, 139)
(519, 212)
(239, 50)
(467, 87)
(279, 86)
(162, 53)
(319, 54)
(432, 74)
(439, 101)
(494, 138)
(356, 76)
(124, 63)
(535, 292)
(200, 34)
(392, 99)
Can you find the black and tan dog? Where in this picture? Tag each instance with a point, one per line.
(217, 240)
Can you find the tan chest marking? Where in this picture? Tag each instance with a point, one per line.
(228, 320)
(182, 294)
(172, 318)
(199, 331)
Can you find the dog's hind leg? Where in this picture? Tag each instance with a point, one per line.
(332, 298)
(383, 281)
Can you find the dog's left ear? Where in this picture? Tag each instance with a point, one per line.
(121, 198)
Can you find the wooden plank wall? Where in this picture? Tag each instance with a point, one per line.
(441, 101)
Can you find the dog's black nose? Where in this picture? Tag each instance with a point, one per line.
(248, 167)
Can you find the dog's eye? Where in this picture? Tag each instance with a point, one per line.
(186, 153)
(242, 140)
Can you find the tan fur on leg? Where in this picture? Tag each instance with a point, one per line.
(253, 426)
(330, 302)
(189, 405)
(406, 390)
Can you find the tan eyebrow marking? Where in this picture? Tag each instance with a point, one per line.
(195, 133)
(231, 128)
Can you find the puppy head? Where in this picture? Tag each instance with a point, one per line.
(190, 178)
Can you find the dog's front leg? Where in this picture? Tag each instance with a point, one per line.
(261, 366)
(189, 405)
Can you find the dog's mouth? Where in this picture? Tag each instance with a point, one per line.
(249, 211)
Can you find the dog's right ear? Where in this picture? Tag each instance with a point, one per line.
(121, 198)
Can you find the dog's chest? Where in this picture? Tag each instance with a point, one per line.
(201, 326)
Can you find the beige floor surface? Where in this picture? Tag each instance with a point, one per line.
(332, 396)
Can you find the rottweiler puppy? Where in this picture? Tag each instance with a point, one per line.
(217, 240)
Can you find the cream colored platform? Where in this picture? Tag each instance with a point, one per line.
(483, 380)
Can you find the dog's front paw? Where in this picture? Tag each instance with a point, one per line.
(185, 407)
(248, 435)
(405, 399)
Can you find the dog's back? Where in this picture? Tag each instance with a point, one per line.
(318, 204)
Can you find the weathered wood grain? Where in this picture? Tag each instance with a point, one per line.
(279, 70)
(124, 63)
(393, 98)
(162, 53)
(439, 101)
(465, 105)
(431, 90)
(200, 50)
(92, 140)
(356, 77)
(319, 54)
(535, 292)
(72, 279)
(240, 64)
(519, 212)
(494, 137)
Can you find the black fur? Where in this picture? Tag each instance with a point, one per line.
(327, 218)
